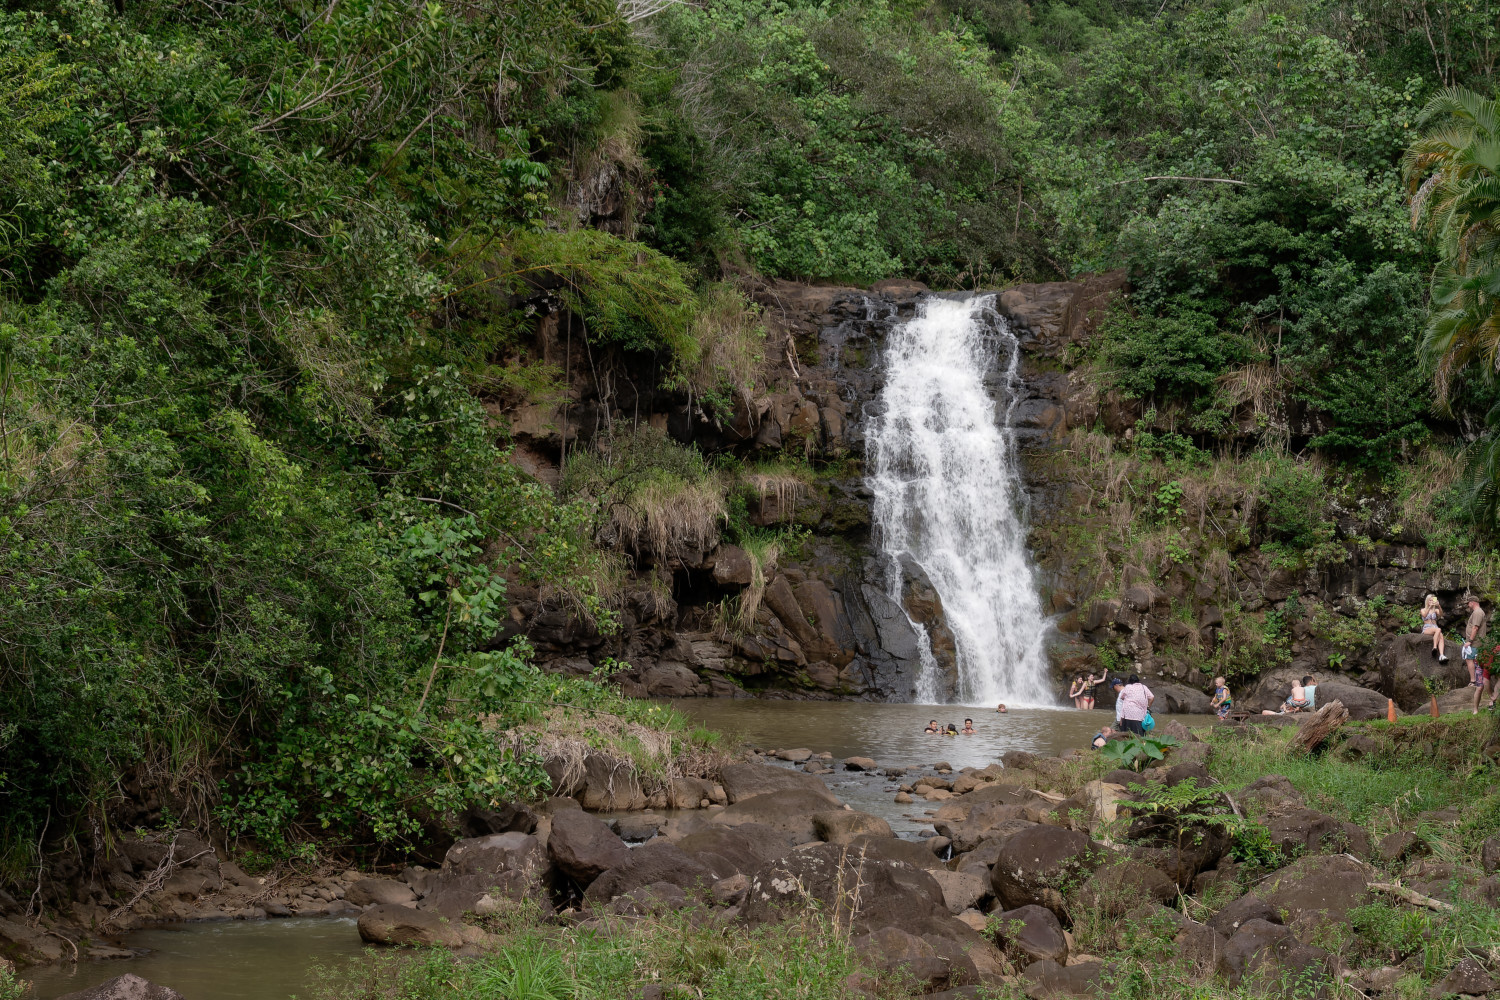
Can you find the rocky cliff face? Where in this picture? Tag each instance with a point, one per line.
(828, 625)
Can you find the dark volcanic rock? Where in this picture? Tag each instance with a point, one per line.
(746, 846)
(1124, 885)
(583, 847)
(1034, 863)
(645, 865)
(1033, 932)
(893, 951)
(742, 781)
(789, 811)
(1046, 980)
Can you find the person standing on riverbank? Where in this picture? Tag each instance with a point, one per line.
(1475, 629)
(1132, 704)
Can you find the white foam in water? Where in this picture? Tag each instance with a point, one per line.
(948, 495)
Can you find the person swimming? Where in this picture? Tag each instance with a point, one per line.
(952, 730)
(1001, 709)
(933, 727)
(969, 729)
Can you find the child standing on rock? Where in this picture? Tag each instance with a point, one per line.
(1222, 700)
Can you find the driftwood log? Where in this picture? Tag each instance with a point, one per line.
(1320, 725)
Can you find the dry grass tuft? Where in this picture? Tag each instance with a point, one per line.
(665, 514)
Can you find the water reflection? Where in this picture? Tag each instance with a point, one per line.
(228, 960)
(892, 733)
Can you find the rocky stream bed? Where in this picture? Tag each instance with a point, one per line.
(1018, 860)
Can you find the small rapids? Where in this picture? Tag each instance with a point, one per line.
(948, 497)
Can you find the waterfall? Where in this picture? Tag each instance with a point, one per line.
(948, 497)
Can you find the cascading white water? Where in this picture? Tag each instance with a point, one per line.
(943, 469)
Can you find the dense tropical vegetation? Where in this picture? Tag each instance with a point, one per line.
(261, 264)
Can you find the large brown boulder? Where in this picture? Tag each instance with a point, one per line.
(494, 853)
(895, 952)
(840, 826)
(1407, 665)
(373, 891)
(746, 846)
(1307, 831)
(961, 890)
(742, 781)
(1271, 956)
(1036, 863)
(1316, 891)
(1362, 703)
(1241, 911)
(583, 847)
(390, 923)
(907, 852)
(1123, 885)
(648, 864)
(857, 891)
(1046, 980)
(790, 811)
(1031, 933)
(126, 987)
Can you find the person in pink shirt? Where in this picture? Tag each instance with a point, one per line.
(1132, 704)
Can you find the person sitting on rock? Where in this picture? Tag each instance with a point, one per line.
(1222, 700)
(1297, 701)
(969, 729)
(1431, 611)
(933, 727)
(1102, 737)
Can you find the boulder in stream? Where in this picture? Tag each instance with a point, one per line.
(391, 923)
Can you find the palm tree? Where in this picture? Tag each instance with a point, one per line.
(1453, 174)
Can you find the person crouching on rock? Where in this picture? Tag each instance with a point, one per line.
(933, 727)
(1431, 610)
(1132, 704)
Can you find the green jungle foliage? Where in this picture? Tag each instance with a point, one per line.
(260, 264)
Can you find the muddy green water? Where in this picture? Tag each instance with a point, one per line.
(224, 960)
(278, 959)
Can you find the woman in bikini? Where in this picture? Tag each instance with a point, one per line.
(1076, 692)
(1431, 611)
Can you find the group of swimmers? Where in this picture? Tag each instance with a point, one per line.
(951, 729)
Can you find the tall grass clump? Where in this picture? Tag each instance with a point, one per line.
(653, 496)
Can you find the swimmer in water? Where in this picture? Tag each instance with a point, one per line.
(1001, 709)
(932, 727)
(952, 730)
(969, 729)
